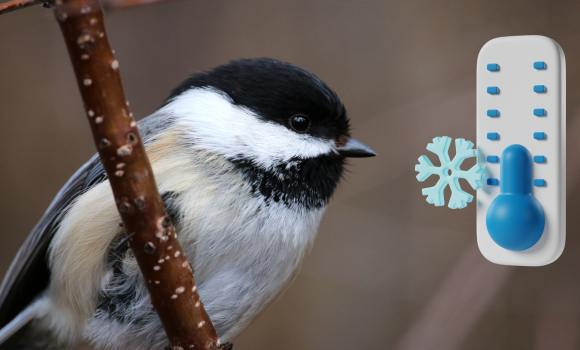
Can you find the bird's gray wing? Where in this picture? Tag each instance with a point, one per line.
(28, 274)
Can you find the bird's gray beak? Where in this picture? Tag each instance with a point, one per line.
(355, 149)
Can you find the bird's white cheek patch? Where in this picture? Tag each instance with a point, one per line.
(213, 123)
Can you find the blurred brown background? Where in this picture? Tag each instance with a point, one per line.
(388, 270)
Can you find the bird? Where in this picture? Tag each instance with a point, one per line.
(246, 157)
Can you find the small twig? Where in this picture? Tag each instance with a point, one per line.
(123, 244)
(162, 262)
(14, 5)
(120, 4)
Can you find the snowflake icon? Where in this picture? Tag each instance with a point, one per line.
(449, 172)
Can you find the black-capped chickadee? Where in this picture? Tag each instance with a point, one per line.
(246, 156)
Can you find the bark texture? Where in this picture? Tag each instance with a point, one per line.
(14, 5)
(152, 235)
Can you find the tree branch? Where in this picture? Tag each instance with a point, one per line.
(14, 5)
(120, 4)
(164, 266)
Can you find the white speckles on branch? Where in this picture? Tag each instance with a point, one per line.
(157, 282)
(99, 120)
(161, 261)
(185, 264)
(194, 288)
(177, 254)
(133, 124)
(127, 103)
(91, 113)
(84, 57)
(174, 296)
(167, 257)
(169, 247)
(119, 173)
(199, 325)
(86, 10)
(124, 150)
(85, 41)
(87, 82)
(180, 290)
(93, 21)
(101, 35)
(115, 64)
(156, 267)
(197, 304)
(121, 165)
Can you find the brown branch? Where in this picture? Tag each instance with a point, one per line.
(14, 5)
(121, 4)
(164, 266)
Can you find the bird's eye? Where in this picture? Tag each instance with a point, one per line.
(300, 122)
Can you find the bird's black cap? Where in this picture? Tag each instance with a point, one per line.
(276, 91)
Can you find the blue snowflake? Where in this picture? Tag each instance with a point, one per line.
(449, 172)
